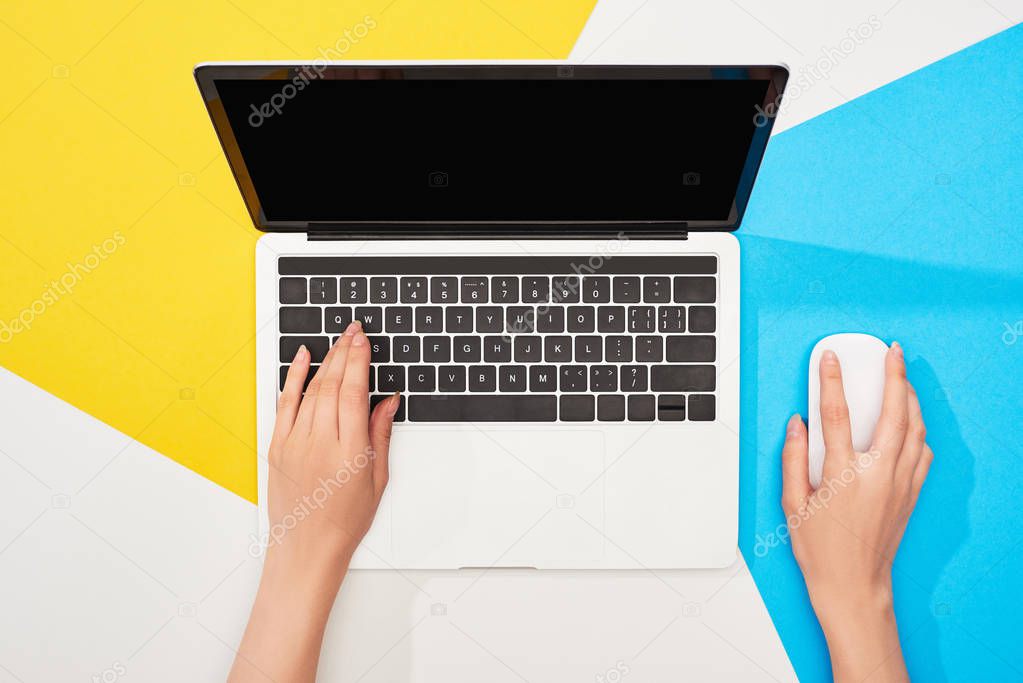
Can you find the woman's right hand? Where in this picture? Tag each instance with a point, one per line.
(846, 532)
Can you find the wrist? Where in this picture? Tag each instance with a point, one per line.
(302, 583)
(843, 609)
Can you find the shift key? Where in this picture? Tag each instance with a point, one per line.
(682, 378)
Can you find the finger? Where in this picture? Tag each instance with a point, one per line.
(920, 473)
(834, 411)
(291, 398)
(304, 420)
(325, 415)
(894, 420)
(380, 424)
(795, 470)
(916, 436)
(353, 405)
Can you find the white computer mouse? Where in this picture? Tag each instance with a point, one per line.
(862, 359)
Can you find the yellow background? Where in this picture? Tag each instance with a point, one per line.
(103, 133)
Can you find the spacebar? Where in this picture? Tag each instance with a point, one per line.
(483, 408)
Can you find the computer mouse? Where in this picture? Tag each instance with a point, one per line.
(862, 359)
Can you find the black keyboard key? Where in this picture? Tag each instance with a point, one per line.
(576, 409)
(437, 349)
(406, 350)
(512, 377)
(489, 319)
(543, 378)
(336, 319)
(353, 290)
(550, 319)
(383, 290)
(557, 349)
(618, 349)
(671, 408)
(482, 378)
(495, 408)
(610, 318)
(528, 349)
(536, 289)
(690, 349)
(413, 290)
(467, 349)
(683, 378)
(702, 319)
(444, 290)
(597, 289)
(300, 319)
(371, 317)
(581, 318)
(642, 319)
(587, 349)
(566, 290)
(451, 378)
(520, 319)
(649, 349)
(701, 407)
(422, 378)
(634, 378)
(318, 347)
(458, 319)
(399, 319)
(572, 378)
(391, 378)
(625, 289)
(504, 289)
(308, 378)
(671, 319)
(657, 289)
(497, 349)
(292, 290)
(697, 290)
(429, 319)
(399, 416)
(642, 408)
(611, 408)
(603, 378)
(474, 290)
(322, 290)
(379, 349)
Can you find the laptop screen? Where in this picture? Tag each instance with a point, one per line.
(493, 144)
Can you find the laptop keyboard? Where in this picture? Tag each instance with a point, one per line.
(517, 339)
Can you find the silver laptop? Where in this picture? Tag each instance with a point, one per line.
(542, 257)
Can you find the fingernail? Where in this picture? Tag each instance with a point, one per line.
(897, 348)
(301, 353)
(352, 328)
(359, 339)
(829, 357)
(395, 401)
(795, 422)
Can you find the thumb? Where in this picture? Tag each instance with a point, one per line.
(380, 423)
(795, 467)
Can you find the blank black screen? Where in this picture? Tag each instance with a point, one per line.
(494, 150)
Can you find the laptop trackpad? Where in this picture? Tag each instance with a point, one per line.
(499, 497)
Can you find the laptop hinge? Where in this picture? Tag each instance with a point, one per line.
(500, 232)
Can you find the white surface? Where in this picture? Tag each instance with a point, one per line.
(145, 568)
(659, 495)
(861, 357)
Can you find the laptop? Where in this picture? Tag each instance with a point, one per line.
(542, 257)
